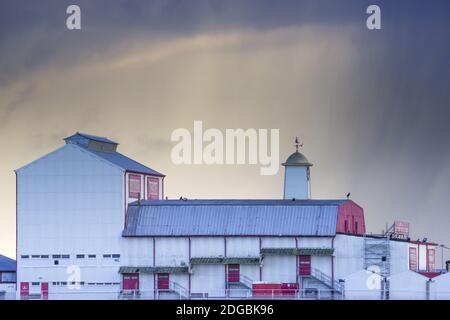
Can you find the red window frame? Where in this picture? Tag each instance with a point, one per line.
(413, 259)
(431, 253)
(233, 273)
(152, 194)
(163, 281)
(132, 188)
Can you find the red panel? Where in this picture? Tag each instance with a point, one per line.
(130, 281)
(304, 265)
(261, 290)
(24, 289)
(233, 273)
(134, 186)
(44, 290)
(163, 281)
(413, 259)
(289, 289)
(351, 219)
(152, 188)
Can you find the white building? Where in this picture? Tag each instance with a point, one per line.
(91, 224)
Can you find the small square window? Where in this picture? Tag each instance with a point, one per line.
(56, 262)
(80, 256)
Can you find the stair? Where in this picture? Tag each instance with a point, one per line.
(240, 289)
(179, 290)
(320, 285)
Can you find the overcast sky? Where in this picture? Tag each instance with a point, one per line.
(372, 107)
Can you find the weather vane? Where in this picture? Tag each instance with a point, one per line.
(297, 144)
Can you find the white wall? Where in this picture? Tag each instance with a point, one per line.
(171, 251)
(442, 286)
(208, 279)
(349, 255)
(363, 285)
(407, 285)
(69, 202)
(242, 247)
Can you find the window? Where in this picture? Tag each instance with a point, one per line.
(34, 256)
(431, 260)
(65, 256)
(92, 256)
(106, 256)
(80, 256)
(56, 256)
(35, 283)
(346, 226)
(116, 256)
(152, 188)
(45, 256)
(134, 186)
(56, 262)
(24, 257)
(413, 259)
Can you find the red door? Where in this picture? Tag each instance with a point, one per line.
(130, 281)
(233, 273)
(304, 265)
(163, 281)
(44, 290)
(24, 289)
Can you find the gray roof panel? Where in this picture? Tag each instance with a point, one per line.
(233, 218)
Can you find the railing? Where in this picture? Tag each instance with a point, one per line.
(246, 281)
(327, 280)
(244, 294)
(182, 292)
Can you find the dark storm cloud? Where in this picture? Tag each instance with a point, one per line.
(33, 34)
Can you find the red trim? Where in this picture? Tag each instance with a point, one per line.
(418, 257)
(296, 260)
(260, 267)
(225, 266)
(189, 276)
(332, 262)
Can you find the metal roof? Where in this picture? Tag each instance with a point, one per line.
(92, 137)
(82, 140)
(7, 264)
(232, 218)
(297, 251)
(225, 260)
(156, 269)
(124, 162)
